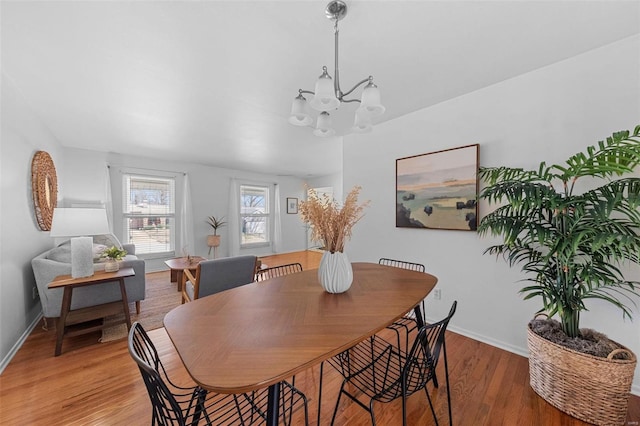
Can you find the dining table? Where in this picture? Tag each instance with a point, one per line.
(260, 334)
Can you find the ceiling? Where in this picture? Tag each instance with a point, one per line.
(211, 82)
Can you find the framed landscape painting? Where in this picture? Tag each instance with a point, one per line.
(438, 190)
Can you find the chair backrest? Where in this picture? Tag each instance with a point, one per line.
(144, 353)
(423, 358)
(278, 271)
(216, 275)
(402, 264)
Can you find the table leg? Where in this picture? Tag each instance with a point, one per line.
(66, 306)
(174, 275)
(125, 302)
(179, 278)
(419, 317)
(273, 398)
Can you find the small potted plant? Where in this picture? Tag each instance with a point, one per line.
(113, 255)
(213, 240)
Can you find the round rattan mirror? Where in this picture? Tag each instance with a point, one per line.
(44, 186)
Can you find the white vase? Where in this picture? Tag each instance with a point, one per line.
(111, 266)
(335, 272)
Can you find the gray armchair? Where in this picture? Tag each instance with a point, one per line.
(216, 275)
(57, 261)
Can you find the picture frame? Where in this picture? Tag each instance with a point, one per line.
(438, 190)
(292, 205)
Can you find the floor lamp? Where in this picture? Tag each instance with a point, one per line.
(80, 224)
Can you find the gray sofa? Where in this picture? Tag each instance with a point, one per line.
(57, 261)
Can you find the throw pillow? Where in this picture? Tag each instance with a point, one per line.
(62, 253)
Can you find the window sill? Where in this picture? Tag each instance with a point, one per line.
(254, 245)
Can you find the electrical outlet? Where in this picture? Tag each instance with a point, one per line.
(34, 292)
(437, 295)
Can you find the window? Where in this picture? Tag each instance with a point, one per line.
(254, 215)
(149, 213)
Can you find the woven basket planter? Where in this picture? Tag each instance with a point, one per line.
(592, 389)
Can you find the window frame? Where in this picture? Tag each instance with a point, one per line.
(171, 178)
(268, 215)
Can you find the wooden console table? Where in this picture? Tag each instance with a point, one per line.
(69, 323)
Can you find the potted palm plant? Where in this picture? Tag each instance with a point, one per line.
(213, 240)
(573, 246)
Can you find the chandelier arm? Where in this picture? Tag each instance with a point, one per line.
(350, 100)
(360, 83)
(300, 91)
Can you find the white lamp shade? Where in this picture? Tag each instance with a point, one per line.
(300, 112)
(323, 127)
(362, 123)
(324, 98)
(75, 222)
(370, 102)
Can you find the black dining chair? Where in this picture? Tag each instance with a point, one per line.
(384, 372)
(278, 271)
(179, 405)
(408, 322)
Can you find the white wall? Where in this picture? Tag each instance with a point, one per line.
(334, 181)
(21, 238)
(548, 115)
(85, 180)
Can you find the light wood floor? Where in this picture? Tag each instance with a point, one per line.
(99, 384)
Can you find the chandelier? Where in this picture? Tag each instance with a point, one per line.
(328, 95)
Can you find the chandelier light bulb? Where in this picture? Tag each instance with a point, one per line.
(323, 127)
(300, 112)
(362, 123)
(370, 102)
(325, 96)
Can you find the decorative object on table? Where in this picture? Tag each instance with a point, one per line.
(80, 224)
(438, 190)
(213, 241)
(328, 95)
(44, 188)
(113, 255)
(572, 246)
(292, 205)
(332, 226)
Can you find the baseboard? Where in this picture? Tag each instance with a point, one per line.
(7, 359)
(490, 341)
(635, 388)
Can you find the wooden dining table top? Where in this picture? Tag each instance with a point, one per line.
(262, 333)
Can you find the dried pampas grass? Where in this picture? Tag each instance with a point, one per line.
(330, 224)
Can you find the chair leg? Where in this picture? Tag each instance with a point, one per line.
(335, 410)
(373, 417)
(320, 391)
(404, 409)
(403, 383)
(446, 377)
(433, 411)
